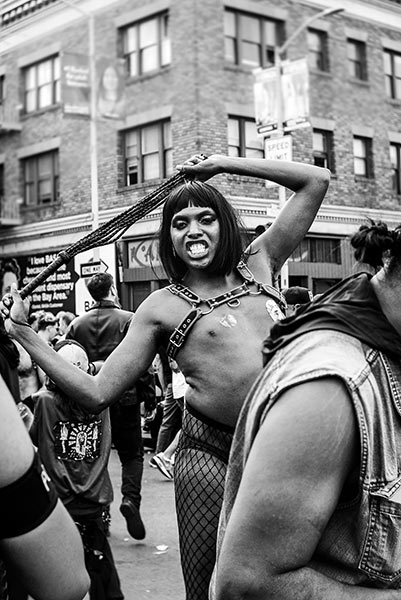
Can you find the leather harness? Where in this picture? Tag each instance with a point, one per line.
(231, 298)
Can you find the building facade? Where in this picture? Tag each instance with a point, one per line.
(170, 78)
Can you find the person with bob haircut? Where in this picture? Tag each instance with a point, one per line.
(312, 504)
(213, 317)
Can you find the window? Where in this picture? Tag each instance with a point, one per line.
(249, 39)
(356, 55)
(323, 153)
(318, 250)
(392, 74)
(41, 179)
(243, 139)
(42, 84)
(317, 50)
(363, 163)
(148, 153)
(146, 45)
(395, 157)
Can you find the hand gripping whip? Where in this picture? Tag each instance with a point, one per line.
(110, 231)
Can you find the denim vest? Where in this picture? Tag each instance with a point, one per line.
(361, 544)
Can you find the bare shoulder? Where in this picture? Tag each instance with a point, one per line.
(161, 309)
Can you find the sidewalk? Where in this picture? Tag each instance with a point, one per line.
(149, 568)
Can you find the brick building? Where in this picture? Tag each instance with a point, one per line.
(184, 72)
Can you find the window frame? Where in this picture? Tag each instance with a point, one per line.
(162, 24)
(366, 158)
(322, 64)
(165, 149)
(328, 149)
(242, 138)
(359, 62)
(312, 247)
(393, 90)
(2, 89)
(54, 83)
(38, 178)
(1, 182)
(396, 168)
(265, 50)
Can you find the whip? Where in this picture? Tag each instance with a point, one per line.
(108, 232)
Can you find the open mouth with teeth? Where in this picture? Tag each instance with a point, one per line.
(197, 249)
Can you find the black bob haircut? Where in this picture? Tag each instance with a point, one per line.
(229, 250)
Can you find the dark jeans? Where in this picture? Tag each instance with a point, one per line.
(127, 438)
(99, 561)
(171, 422)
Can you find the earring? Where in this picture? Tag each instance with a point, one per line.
(174, 252)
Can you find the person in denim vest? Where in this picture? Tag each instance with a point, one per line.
(312, 505)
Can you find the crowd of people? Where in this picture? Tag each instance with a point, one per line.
(280, 420)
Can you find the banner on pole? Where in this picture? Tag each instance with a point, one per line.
(110, 88)
(265, 97)
(294, 96)
(75, 81)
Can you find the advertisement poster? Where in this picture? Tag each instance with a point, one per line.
(57, 292)
(111, 88)
(75, 82)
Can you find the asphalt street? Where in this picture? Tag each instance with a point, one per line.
(149, 568)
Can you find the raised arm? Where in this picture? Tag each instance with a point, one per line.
(309, 183)
(119, 372)
(291, 485)
(48, 557)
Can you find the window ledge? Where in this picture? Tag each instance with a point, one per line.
(361, 82)
(362, 179)
(38, 207)
(150, 75)
(394, 101)
(40, 111)
(328, 74)
(241, 68)
(144, 185)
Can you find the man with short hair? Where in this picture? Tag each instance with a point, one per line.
(47, 327)
(100, 330)
(295, 297)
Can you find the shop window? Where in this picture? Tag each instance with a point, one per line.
(148, 153)
(318, 250)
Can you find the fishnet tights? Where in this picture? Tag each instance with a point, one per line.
(199, 474)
